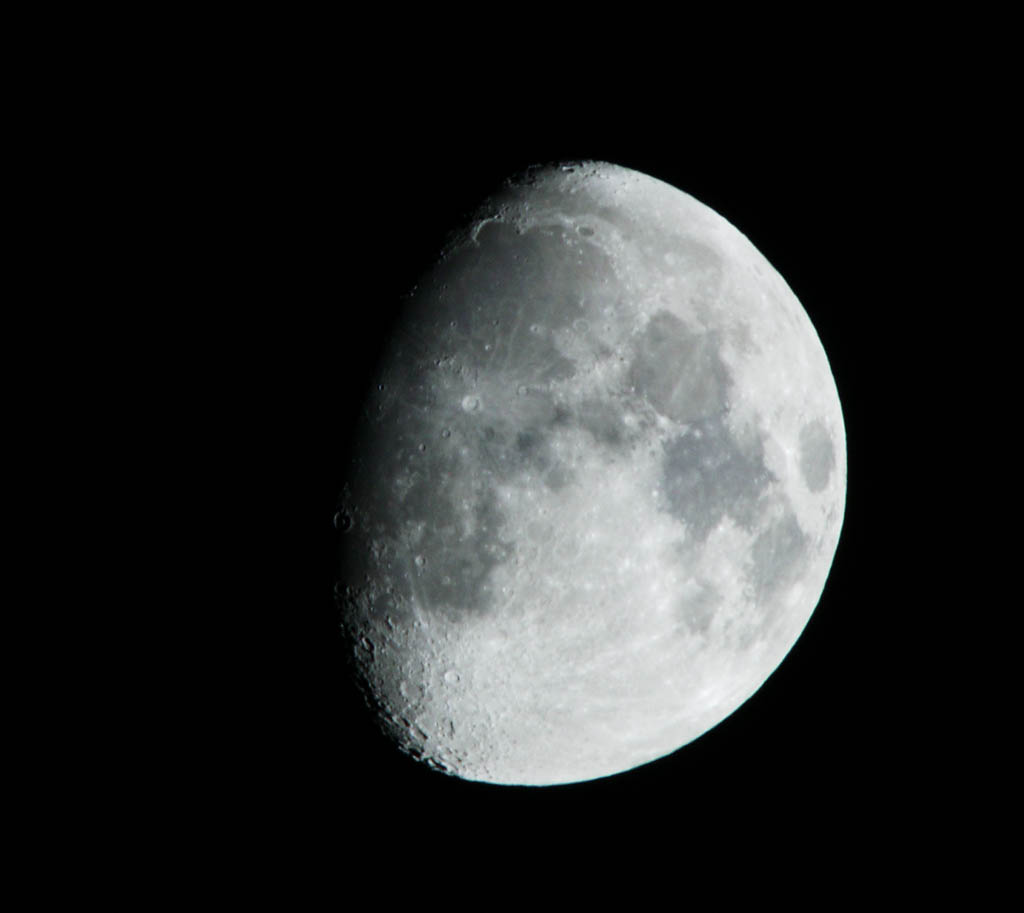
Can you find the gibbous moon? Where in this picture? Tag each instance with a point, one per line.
(597, 486)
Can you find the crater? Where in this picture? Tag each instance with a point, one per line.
(817, 455)
(680, 372)
(707, 475)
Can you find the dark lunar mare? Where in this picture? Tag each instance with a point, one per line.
(707, 473)
(817, 455)
(710, 473)
(680, 372)
(778, 558)
(707, 476)
(485, 313)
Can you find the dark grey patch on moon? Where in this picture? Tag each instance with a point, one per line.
(418, 541)
(681, 373)
(559, 477)
(536, 407)
(458, 564)
(495, 456)
(707, 474)
(776, 557)
(603, 421)
(561, 417)
(497, 299)
(696, 611)
(817, 455)
(533, 449)
(508, 451)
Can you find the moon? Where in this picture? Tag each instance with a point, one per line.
(597, 485)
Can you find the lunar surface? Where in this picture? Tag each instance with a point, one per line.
(597, 486)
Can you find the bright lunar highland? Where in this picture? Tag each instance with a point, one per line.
(597, 485)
